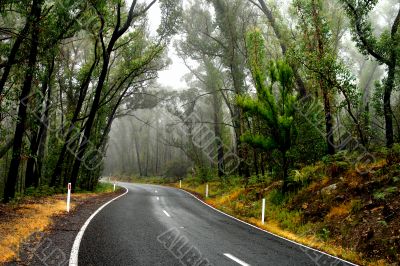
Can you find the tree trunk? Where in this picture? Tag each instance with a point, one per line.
(40, 116)
(9, 191)
(327, 104)
(138, 156)
(68, 138)
(218, 134)
(330, 141)
(268, 13)
(387, 108)
(239, 123)
(4, 150)
(14, 51)
(285, 187)
(117, 33)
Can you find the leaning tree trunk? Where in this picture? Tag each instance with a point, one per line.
(117, 34)
(12, 177)
(13, 53)
(70, 133)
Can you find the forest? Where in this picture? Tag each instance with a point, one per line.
(296, 101)
(270, 88)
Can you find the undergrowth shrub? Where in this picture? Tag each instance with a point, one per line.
(393, 155)
(323, 234)
(276, 197)
(41, 191)
(356, 206)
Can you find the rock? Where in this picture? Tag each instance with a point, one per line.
(340, 198)
(329, 189)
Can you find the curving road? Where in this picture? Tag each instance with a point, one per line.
(154, 225)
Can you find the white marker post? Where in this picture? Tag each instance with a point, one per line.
(68, 196)
(114, 186)
(207, 190)
(263, 211)
(180, 183)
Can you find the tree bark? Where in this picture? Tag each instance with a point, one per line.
(30, 178)
(82, 95)
(6, 148)
(387, 108)
(138, 156)
(268, 13)
(330, 142)
(14, 50)
(118, 32)
(218, 134)
(388, 113)
(12, 177)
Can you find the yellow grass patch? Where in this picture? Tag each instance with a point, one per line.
(226, 198)
(339, 211)
(28, 218)
(228, 203)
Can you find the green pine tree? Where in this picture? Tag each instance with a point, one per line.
(274, 104)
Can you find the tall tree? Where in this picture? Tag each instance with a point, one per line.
(277, 112)
(384, 49)
(280, 31)
(34, 27)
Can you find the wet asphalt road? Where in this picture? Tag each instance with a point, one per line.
(154, 225)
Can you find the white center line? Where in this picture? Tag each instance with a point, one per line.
(236, 259)
(166, 213)
(158, 198)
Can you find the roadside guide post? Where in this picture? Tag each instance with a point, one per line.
(263, 211)
(207, 190)
(68, 196)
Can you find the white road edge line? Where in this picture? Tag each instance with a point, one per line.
(236, 259)
(166, 213)
(265, 231)
(73, 258)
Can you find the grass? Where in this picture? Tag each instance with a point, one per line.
(29, 215)
(336, 221)
(147, 180)
(340, 211)
(236, 201)
(104, 188)
(27, 219)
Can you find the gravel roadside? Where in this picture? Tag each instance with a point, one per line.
(53, 246)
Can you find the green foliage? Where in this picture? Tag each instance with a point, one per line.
(383, 223)
(323, 234)
(276, 197)
(383, 194)
(290, 220)
(307, 174)
(257, 180)
(356, 206)
(176, 169)
(104, 187)
(41, 191)
(275, 111)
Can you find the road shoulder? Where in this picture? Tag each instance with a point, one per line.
(52, 246)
